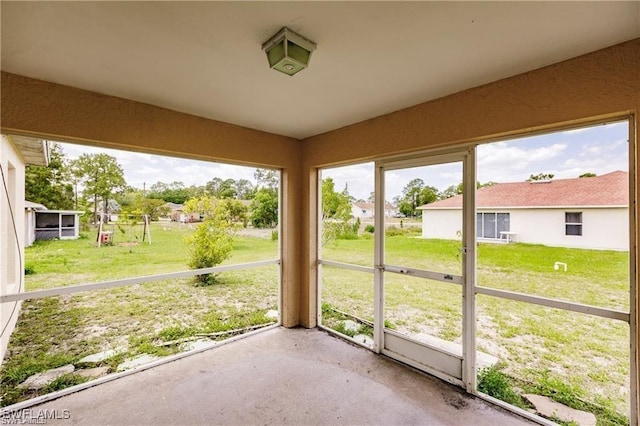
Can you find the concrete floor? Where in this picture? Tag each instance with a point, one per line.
(281, 376)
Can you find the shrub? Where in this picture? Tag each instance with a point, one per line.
(348, 235)
(29, 269)
(274, 235)
(210, 245)
(356, 226)
(370, 229)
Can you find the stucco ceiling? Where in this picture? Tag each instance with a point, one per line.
(205, 58)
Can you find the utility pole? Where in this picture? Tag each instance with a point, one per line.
(144, 189)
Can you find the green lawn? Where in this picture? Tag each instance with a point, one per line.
(71, 262)
(588, 355)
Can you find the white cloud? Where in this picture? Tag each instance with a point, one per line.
(358, 177)
(141, 168)
(547, 152)
(515, 161)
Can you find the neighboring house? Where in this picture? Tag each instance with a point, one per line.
(582, 212)
(113, 210)
(44, 224)
(15, 153)
(173, 211)
(177, 214)
(364, 210)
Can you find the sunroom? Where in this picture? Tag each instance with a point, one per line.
(404, 86)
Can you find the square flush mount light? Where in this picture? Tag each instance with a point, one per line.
(288, 52)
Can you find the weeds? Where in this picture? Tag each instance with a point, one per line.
(495, 383)
(394, 231)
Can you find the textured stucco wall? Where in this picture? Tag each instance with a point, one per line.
(54, 111)
(596, 86)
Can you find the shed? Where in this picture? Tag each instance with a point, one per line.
(44, 224)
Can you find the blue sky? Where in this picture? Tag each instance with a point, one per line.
(598, 149)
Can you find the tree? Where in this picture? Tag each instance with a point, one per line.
(233, 211)
(264, 208)
(196, 191)
(101, 176)
(372, 197)
(587, 175)
(230, 210)
(244, 189)
(336, 212)
(454, 190)
(51, 185)
(205, 206)
(335, 205)
(266, 178)
(415, 194)
(174, 192)
(213, 187)
(151, 207)
(540, 177)
(227, 189)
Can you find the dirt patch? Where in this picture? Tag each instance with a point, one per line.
(256, 232)
(128, 244)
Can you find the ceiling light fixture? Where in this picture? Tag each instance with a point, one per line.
(288, 52)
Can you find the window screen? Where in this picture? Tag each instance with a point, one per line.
(573, 223)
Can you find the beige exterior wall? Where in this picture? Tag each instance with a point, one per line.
(11, 236)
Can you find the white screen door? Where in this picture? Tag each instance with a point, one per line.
(421, 281)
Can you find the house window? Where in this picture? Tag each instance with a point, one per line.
(573, 223)
(491, 224)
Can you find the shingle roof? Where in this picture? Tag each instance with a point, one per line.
(610, 189)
